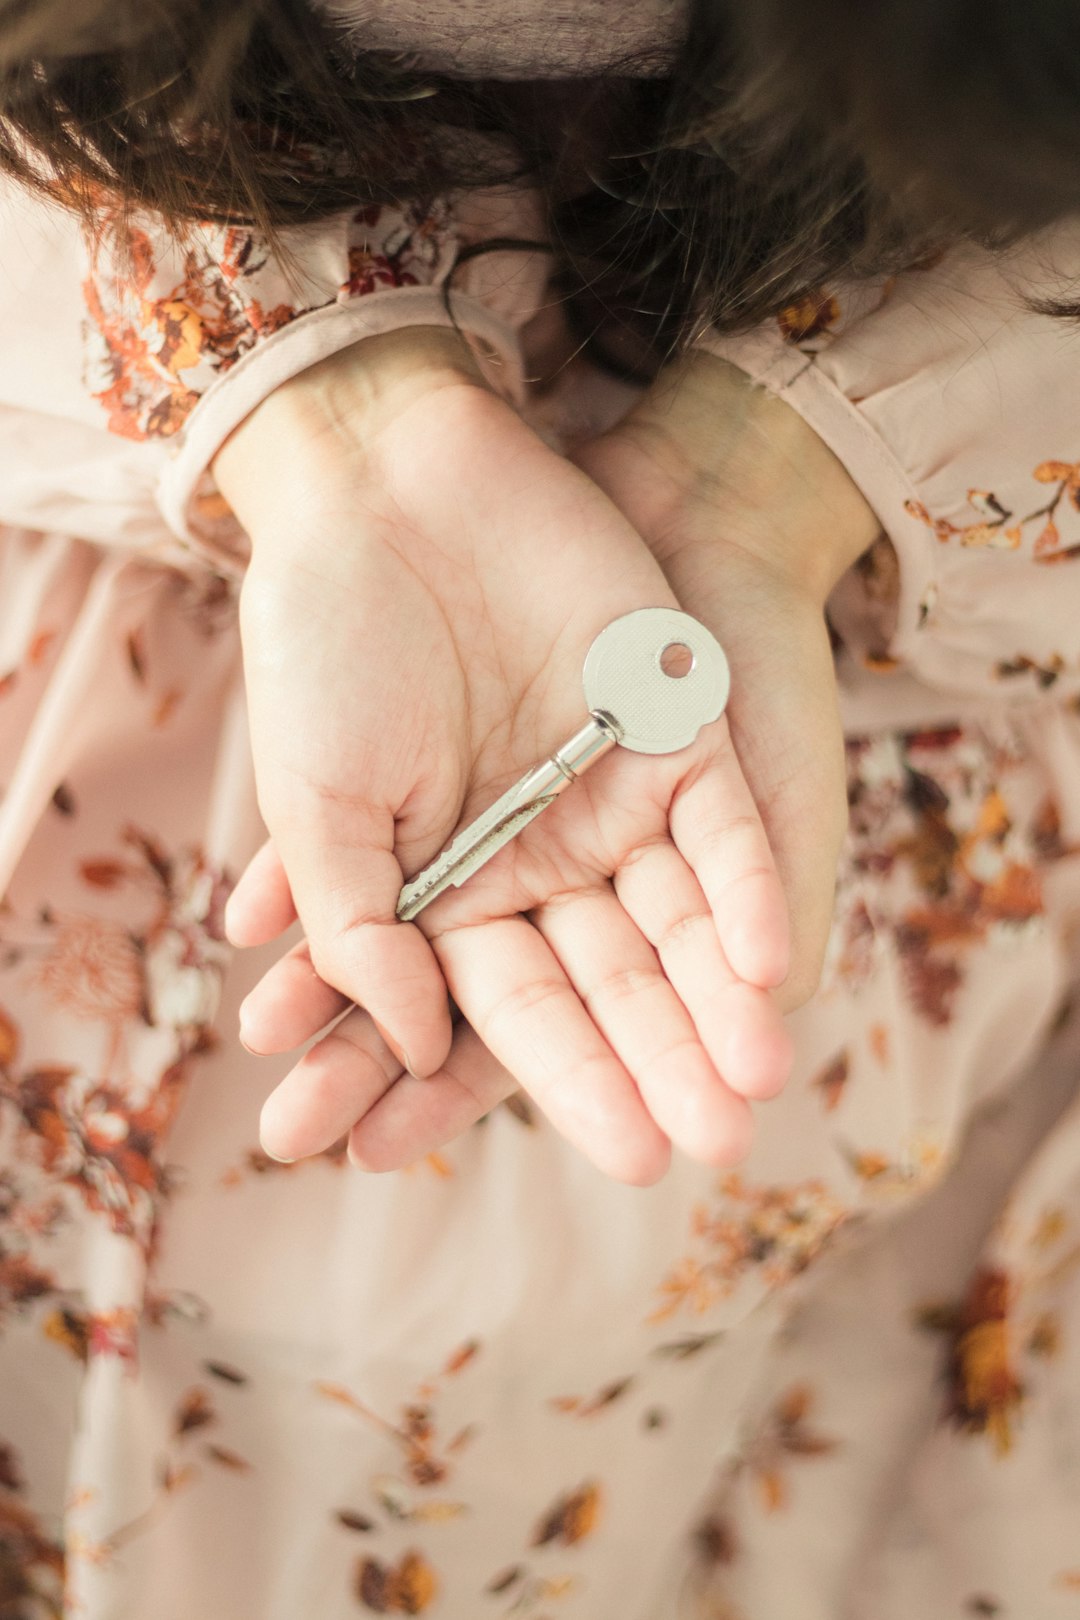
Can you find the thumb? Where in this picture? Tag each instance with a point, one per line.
(345, 880)
(785, 725)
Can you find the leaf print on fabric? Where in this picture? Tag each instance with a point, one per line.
(1007, 1327)
(1046, 672)
(169, 315)
(427, 1461)
(408, 1587)
(195, 1411)
(715, 1542)
(22, 1282)
(588, 1406)
(31, 1562)
(228, 1459)
(832, 1079)
(787, 1434)
(768, 1232)
(809, 316)
(994, 526)
(983, 1391)
(176, 1472)
(571, 1518)
(919, 1167)
(937, 864)
(9, 1039)
(151, 982)
(227, 1373)
(257, 1163)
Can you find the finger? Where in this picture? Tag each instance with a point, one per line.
(621, 982)
(738, 1024)
(261, 905)
(331, 1087)
(415, 1117)
(788, 736)
(346, 881)
(716, 827)
(289, 1005)
(513, 992)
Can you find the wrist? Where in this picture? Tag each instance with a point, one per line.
(780, 493)
(315, 431)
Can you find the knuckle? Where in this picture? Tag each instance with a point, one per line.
(680, 929)
(713, 835)
(642, 851)
(522, 1000)
(622, 985)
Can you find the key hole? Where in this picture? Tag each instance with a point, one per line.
(677, 660)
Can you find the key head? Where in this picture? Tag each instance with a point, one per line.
(660, 675)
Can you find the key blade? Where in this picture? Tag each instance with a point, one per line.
(453, 867)
(475, 845)
(483, 838)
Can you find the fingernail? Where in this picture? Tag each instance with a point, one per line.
(277, 1157)
(399, 1051)
(244, 1038)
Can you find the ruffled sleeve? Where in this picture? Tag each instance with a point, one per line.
(950, 397)
(185, 336)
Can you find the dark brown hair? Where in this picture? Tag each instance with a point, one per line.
(791, 141)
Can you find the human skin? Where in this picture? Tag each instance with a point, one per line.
(426, 575)
(754, 520)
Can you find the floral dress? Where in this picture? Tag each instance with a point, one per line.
(842, 1382)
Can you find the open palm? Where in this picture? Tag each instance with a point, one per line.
(408, 655)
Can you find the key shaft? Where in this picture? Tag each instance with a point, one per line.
(483, 838)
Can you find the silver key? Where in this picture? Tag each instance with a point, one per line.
(652, 679)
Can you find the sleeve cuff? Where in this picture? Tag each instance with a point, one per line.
(186, 494)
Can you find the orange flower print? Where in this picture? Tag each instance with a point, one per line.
(93, 1129)
(168, 316)
(92, 970)
(771, 1233)
(952, 866)
(983, 1391)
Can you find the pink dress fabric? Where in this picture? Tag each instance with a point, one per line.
(841, 1384)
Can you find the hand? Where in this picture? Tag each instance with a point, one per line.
(753, 520)
(422, 590)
